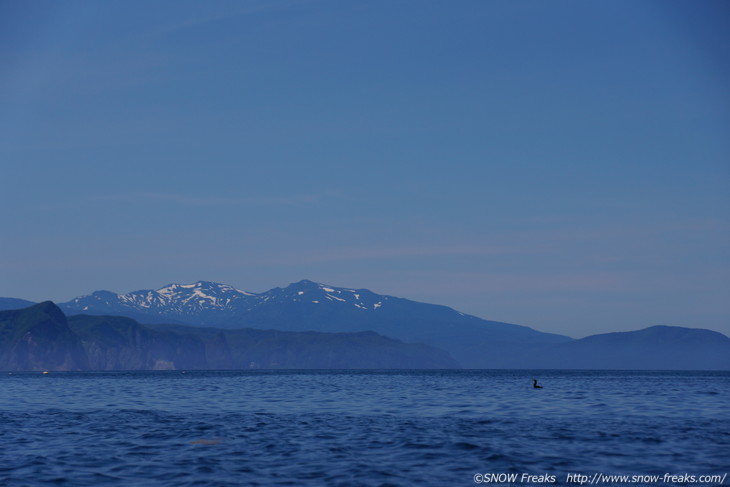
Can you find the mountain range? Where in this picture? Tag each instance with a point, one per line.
(311, 306)
(307, 306)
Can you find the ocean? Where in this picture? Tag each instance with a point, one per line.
(364, 428)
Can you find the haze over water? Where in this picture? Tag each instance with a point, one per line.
(357, 427)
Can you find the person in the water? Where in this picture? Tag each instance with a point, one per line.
(534, 384)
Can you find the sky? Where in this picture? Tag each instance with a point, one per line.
(563, 165)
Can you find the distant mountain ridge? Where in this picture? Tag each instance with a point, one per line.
(14, 303)
(311, 306)
(656, 347)
(307, 306)
(203, 302)
(210, 303)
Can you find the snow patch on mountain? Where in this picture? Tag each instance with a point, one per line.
(219, 301)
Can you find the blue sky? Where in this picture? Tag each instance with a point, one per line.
(563, 165)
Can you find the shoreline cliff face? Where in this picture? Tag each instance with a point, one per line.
(42, 338)
(39, 338)
(123, 344)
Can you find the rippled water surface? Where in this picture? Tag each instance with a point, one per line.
(435, 428)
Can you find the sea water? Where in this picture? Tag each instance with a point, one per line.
(350, 428)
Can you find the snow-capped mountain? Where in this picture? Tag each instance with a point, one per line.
(174, 301)
(215, 303)
(315, 293)
(311, 306)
